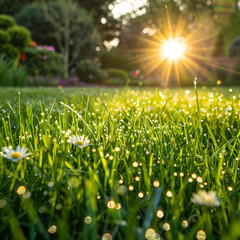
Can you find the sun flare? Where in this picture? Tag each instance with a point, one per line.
(173, 49)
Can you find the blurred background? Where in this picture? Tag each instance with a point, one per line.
(164, 43)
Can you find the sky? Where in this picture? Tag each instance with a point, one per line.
(126, 6)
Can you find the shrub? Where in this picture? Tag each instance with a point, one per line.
(6, 21)
(117, 74)
(43, 62)
(20, 37)
(4, 38)
(6, 48)
(13, 39)
(90, 71)
(9, 51)
(10, 75)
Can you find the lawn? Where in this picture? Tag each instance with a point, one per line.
(149, 152)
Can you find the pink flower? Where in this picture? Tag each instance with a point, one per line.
(45, 57)
(47, 47)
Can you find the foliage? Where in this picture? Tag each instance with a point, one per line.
(13, 39)
(96, 8)
(10, 75)
(4, 37)
(6, 21)
(232, 30)
(9, 51)
(234, 78)
(156, 14)
(20, 37)
(33, 18)
(99, 9)
(219, 45)
(149, 151)
(43, 62)
(118, 59)
(12, 7)
(61, 24)
(234, 49)
(222, 75)
(117, 74)
(90, 71)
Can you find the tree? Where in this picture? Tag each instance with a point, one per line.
(12, 7)
(99, 9)
(63, 24)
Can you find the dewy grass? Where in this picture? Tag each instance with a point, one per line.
(159, 164)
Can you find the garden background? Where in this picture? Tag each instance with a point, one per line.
(107, 42)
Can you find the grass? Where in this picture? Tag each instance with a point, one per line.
(149, 151)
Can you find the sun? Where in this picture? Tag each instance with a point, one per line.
(173, 49)
(176, 50)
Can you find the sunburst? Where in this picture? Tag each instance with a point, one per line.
(173, 49)
(176, 51)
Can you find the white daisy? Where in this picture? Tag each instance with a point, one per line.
(208, 199)
(80, 141)
(15, 155)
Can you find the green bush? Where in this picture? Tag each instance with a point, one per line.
(6, 48)
(20, 37)
(117, 74)
(6, 21)
(13, 39)
(90, 71)
(9, 51)
(4, 38)
(10, 75)
(43, 62)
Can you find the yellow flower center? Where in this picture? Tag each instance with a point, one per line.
(16, 155)
(80, 143)
(208, 199)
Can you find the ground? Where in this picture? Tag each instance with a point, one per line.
(150, 151)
